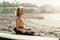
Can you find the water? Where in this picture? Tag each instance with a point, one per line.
(51, 22)
(49, 19)
(53, 16)
(52, 19)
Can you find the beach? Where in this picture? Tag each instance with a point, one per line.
(43, 24)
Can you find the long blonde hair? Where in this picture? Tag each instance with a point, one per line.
(19, 11)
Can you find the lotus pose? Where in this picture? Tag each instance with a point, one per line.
(20, 24)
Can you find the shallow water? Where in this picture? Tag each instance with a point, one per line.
(49, 19)
(49, 23)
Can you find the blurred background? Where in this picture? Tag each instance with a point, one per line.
(45, 6)
(42, 16)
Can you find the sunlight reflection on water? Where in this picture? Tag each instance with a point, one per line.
(50, 20)
(53, 16)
